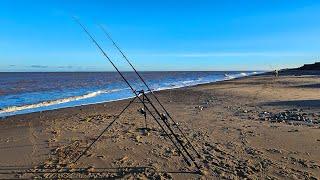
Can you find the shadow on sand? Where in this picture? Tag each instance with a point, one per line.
(317, 85)
(119, 172)
(296, 103)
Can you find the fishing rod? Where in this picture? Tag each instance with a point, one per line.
(132, 89)
(137, 95)
(149, 89)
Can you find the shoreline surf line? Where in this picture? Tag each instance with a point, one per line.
(14, 110)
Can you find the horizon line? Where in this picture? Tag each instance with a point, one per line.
(130, 71)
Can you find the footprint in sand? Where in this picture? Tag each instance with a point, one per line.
(32, 138)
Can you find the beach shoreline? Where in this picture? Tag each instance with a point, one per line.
(238, 125)
(23, 109)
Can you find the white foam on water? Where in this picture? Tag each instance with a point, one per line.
(54, 102)
(188, 83)
(7, 111)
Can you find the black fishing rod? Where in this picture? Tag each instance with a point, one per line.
(166, 123)
(133, 90)
(137, 95)
(149, 89)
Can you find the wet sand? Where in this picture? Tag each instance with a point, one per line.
(256, 127)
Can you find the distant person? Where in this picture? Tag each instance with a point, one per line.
(276, 73)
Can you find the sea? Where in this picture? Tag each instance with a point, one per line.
(27, 92)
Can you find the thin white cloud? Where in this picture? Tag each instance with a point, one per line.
(38, 66)
(229, 54)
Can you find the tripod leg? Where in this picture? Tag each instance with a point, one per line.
(145, 121)
(110, 124)
(145, 114)
(169, 136)
(175, 137)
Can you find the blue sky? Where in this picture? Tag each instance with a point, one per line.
(159, 35)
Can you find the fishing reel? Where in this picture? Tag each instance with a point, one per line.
(142, 111)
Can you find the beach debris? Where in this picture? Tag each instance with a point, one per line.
(100, 156)
(166, 175)
(293, 130)
(274, 150)
(90, 169)
(204, 171)
(252, 151)
(145, 131)
(199, 107)
(65, 153)
(129, 131)
(97, 118)
(290, 116)
(122, 160)
(305, 163)
(88, 119)
(138, 139)
(170, 152)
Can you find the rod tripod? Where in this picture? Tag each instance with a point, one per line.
(162, 121)
(160, 116)
(143, 109)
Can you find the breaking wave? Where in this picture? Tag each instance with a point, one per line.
(62, 100)
(55, 102)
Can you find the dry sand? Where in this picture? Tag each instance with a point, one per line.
(236, 126)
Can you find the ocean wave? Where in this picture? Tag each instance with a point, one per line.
(186, 83)
(179, 84)
(97, 96)
(243, 74)
(55, 102)
(228, 77)
(191, 81)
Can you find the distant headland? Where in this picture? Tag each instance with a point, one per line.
(314, 67)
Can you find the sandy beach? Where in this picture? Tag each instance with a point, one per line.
(258, 127)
